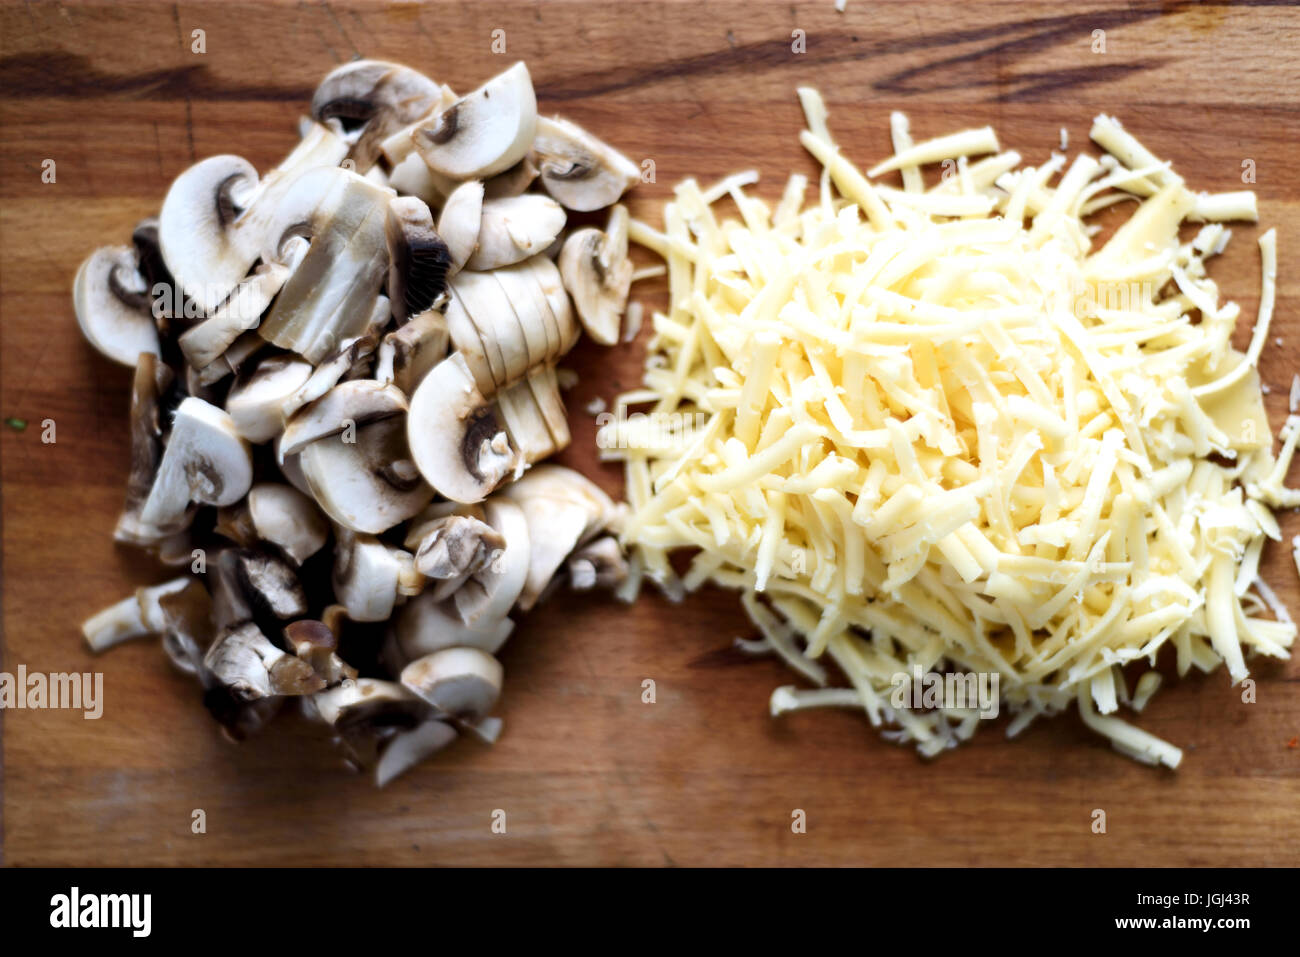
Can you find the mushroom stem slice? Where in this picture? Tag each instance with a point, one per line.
(484, 132)
(455, 435)
(316, 644)
(205, 461)
(579, 170)
(462, 683)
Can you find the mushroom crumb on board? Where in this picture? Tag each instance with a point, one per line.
(350, 361)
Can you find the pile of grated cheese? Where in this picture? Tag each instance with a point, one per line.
(933, 427)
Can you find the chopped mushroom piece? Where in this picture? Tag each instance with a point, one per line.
(409, 748)
(418, 258)
(484, 132)
(370, 576)
(247, 663)
(349, 405)
(600, 564)
(407, 354)
(372, 99)
(459, 222)
(515, 228)
(579, 170)
(425, 625)
(598, 274)
(257, 403)
(462, 683)
(205, 461)
(456, 546)
(455, 435)
(491, 591)
(315, 643)
(112, 305)
(132, 617)
(270, 584)
(285, 517)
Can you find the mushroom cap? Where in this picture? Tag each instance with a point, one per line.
(368, 701)
(119, 328)
(579, 170)
(455, 434)
(515, 228)
(205, 461)
(492, 590)
(367, 485)
(461, 682)
(484, 132)
(205, 249)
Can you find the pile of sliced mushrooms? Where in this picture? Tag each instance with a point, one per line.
(360, 347)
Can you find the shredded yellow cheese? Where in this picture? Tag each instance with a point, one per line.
(933, 428)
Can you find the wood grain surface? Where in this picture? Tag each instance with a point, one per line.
(586, 773)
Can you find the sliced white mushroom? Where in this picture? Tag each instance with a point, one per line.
(463, 683)
(469, 345)
(205, 461)
(365, 700)
(152, 379)
(215, 218)
(345, 362)
(579, 170)
(245, 661)
(515, 228)
(566, 330)
(425, 625)
(369, 575)
(511, 182)
(532, 312)
(598, 275)
(372, 100)
(545, 386)
(368, 484)
(270, 584)
(288, 519)
(484, 132)
(108, 295)
(406, 355)
(406, 749)
(418, 258)
(206, 342)
(349, 405)
(257, 403)
(331, 294)
(412, 177)
(187, 628)
(492, 591)
(489, 309)
(524, 423)
(455, 435)
(459, 221)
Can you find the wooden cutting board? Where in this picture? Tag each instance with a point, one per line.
(587, 773)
